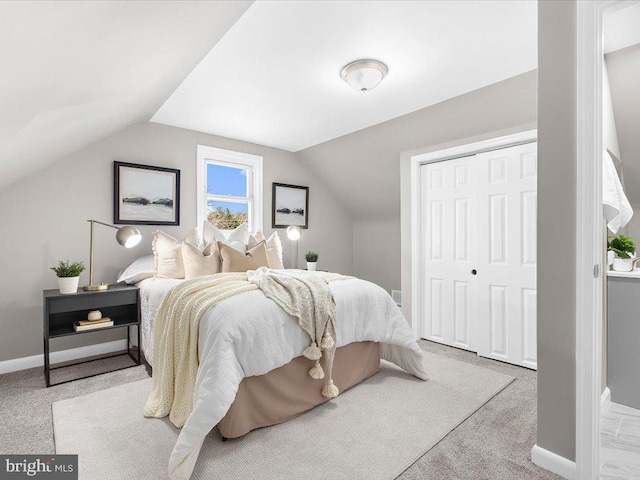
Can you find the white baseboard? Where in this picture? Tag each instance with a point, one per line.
(605, 400)
(553, 462)
(62, 356)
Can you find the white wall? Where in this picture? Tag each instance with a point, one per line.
(43, 219)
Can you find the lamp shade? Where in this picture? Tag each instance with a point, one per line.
(128, 236)
(364, 75)
(293, 232)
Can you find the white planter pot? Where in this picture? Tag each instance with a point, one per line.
(311, 266)
(622, 264)
(610, 256)
(68, 285)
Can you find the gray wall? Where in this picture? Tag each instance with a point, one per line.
(557, 161)
(376, 252)
(43, 219)
(363, 168)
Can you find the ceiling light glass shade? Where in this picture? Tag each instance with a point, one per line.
(293, 232)
(364, 75)
(128, 236)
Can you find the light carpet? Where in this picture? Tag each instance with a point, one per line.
(373, 431)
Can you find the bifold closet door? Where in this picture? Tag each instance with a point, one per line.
(506, 260)
(448, 239)
(478, 253)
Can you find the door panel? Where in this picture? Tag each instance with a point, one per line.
(448, 201)
(506, 260)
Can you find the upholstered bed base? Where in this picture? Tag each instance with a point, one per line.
(288, 391)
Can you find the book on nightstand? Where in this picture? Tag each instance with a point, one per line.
(84, 325)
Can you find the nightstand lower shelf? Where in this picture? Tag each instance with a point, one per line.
(137, 359)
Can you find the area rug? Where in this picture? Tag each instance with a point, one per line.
(373, 431)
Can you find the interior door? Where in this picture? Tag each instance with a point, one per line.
(448, 240)
(506, 260)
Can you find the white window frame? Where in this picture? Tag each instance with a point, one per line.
(253, 164)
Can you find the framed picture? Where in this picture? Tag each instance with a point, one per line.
(145, 194)
(289, 206)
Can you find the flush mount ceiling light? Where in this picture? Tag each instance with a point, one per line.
(364, 75)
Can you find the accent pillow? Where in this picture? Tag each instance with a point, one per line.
(197, 263)
(138, 270)
(274, 247)
(237, 238)
(168, 253)
(234, 260)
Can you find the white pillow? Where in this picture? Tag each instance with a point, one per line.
(138, 270)
(237, 238)
(168, 253)
(274, 247)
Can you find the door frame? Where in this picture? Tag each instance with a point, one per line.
(590, 274)
(417, 161)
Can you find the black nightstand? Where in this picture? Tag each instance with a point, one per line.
(121, 303)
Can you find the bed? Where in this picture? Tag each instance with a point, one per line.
(251, 373)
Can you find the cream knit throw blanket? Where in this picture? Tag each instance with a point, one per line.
(307, 297)
(175, 354)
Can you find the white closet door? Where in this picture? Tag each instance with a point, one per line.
(448, 251)
(506, 261)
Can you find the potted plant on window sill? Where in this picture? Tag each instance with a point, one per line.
(68, 276)
(624, 249)
(312, 261)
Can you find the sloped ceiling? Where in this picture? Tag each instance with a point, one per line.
(363, 168)
(275, 77)
(75, 72)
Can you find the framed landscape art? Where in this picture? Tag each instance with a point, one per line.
(289, 206)
(145, 194)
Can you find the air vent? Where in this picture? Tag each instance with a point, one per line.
(397, 297)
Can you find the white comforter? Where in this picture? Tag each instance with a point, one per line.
(249, 335)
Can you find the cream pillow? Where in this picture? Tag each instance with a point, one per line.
(168, 253)
(274, 247)
(234, 260)
(197, 263)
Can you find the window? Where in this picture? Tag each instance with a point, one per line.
(229, 188)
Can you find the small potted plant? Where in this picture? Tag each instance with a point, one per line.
(624, 249)
(312, 260)
(68, 276)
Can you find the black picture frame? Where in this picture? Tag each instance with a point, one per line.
(278, 216)
(136, 215)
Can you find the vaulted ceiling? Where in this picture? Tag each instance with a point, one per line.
(274, 79)
(75, 72)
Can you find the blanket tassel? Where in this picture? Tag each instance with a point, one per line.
(330, 390)
(327, 342)
(312, 352)
(316, 371)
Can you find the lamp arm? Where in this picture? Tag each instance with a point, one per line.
(102, 223)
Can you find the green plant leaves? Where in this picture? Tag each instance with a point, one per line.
(623, 246)
(66, 269)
